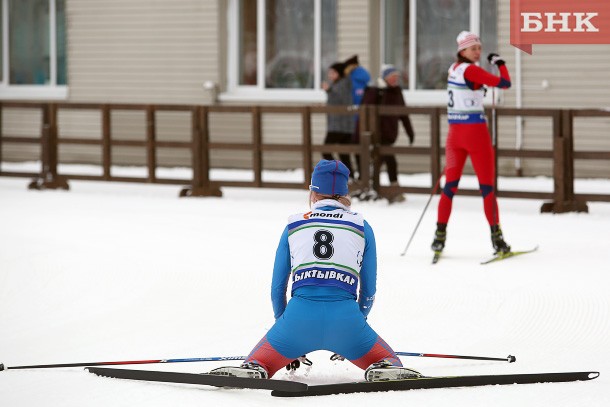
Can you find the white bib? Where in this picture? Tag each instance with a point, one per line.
(326, 248)
(464, 105)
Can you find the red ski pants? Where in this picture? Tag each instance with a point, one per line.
(471, 140)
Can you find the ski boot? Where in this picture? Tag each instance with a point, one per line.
(497, 240)
(384, 370)
(438, 244)
(248, 370)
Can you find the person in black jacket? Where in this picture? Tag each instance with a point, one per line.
(389, 92)
(339, 127)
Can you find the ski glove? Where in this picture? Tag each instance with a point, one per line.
(495, 59)
(295, 364)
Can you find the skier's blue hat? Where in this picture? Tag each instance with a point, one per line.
(330, 178)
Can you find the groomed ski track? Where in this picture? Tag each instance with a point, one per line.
(126, 271)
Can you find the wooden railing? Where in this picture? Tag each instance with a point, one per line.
(562, 154)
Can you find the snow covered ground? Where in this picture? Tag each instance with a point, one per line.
(112, 271)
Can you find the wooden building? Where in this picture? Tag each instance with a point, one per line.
(261, 52)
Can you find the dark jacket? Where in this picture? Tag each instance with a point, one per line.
(340, 94)
(391, 96)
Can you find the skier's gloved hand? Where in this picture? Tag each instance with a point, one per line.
(495, 59)
(336, 356)
(295, 364)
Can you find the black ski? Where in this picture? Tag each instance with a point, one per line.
(502, 256)
(436, 382)
(437, 256)
(285, 386)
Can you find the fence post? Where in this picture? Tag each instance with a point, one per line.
(200, 156)
(364, 155)
(106, 142)
(257, 142)
(375, 141)
(151, 138)
(307, 142)
(48, 178)
(563, 167)
(435, 144)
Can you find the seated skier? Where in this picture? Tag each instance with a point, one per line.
(329, 254)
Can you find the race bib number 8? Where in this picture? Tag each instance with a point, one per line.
(322, 247)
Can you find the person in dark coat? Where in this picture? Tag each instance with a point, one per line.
(389, 93)
(339, 127)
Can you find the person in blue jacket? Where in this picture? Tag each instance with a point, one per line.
(359, 76)
(329, 256)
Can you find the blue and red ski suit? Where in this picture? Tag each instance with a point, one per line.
(324, 313)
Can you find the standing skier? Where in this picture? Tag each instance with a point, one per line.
(327, 253)
(469, 136)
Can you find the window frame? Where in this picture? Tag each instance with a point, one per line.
(49, 91)
(413, 95)
(250, 93)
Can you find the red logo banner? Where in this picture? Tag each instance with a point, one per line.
(559, 22)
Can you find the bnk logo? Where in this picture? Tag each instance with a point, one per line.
(559, 22)
(563, 22)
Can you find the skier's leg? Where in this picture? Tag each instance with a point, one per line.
(349, 335)
(294, 334)
(455, 158)
(483, 162)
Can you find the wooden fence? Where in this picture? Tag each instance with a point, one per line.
(562, 154)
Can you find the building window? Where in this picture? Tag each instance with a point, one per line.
(418, 36)
(33, 46)
(280, 48)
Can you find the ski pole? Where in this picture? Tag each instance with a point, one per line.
(126, 362)
(494, 143)
(423, 212)
(509, 358)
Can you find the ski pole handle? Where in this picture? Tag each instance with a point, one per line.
(509, 358)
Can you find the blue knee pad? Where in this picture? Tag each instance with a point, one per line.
(448, 188)
(486, 189)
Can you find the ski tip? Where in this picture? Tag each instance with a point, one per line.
(593, 375)
(511, 359)
(1, 367)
